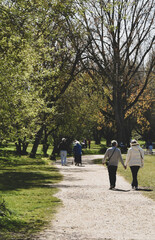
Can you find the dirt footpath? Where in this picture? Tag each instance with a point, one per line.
(91, 211)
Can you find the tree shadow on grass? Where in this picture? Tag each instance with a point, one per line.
(6, 152)
(30, 169)
(16, 161)
(11, 180)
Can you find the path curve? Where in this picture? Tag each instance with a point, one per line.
(91, 211)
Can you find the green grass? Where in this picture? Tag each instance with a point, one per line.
(39, 150)
(146, 175)
(95, 148)
(26, 198)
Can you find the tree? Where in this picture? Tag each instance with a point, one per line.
(121, 34)
(16, 60)
(143, 113)
(58, 61)
(35, 40)
(76, 111)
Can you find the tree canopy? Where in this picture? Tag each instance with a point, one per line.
(74, 69)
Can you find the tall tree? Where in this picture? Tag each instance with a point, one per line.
(58, 61)
(122, 36)
(16, 60)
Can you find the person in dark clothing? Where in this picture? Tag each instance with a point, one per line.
(63, 148)
(77, 151)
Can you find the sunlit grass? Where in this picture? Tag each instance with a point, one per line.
(26, 192)
(146, 175)
(94, 148)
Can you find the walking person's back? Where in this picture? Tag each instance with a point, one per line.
(77, 151)
(113, 154)
(135, 160)
(63, 148)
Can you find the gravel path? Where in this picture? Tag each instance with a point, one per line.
(91, 211)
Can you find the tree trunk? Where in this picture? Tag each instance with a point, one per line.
(123, 129)
(24, 146)
(55, 150)
(45, 143)
(119, 104)
(18, 147)
(108, 138)
(36, 142)
(45, 148)
(97, 136)
(21, 146)
(53, 157)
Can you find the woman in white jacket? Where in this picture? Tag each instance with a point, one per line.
(135, 160)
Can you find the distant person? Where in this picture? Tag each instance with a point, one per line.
(89, 143)
(84, 143)
(113, 154)
(77, 151)
(147, 147)
(63, 148)
(135, 160)
(150, 147)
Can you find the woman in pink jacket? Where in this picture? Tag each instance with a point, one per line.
(135, 160)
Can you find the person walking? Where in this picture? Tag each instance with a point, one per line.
(63, 148)
(77, 151)
(113, 154)
(150, 148)
(135, 160)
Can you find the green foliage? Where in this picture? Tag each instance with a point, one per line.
(44, 46)
(16, 65)
(77, 110)
(35, 60)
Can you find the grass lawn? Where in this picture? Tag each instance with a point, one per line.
(146, 175)
(26, 198)
(95, 148)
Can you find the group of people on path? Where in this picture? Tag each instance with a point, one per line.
(77, 152)
(134, 159)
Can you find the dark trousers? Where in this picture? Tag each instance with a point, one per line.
(112, 175)
(134, 170)
(77, 158)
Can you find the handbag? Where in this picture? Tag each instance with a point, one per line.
(107, 162)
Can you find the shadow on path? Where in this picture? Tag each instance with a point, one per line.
(145, 189)
(120, 190)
